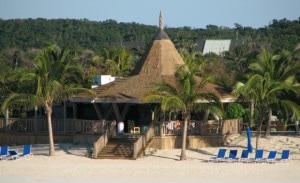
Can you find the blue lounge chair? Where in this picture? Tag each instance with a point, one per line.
(219, 157)
(271, 157)
(285, 156)
(12, 154)
(244, 156)
(259, 154)
(231, 157)
(26, 152)
(4, 152)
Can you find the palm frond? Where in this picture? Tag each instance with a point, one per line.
(173, 102)
(291, 107)
(153, 98)
(24, 100)
(27, 77)
(164, 88)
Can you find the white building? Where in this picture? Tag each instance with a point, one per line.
(216, 46)
(102, 80)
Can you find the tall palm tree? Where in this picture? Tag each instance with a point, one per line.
(185, 97)
(269, 80)
(53, 79)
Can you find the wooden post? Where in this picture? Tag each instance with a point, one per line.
(125, 111)
(152, 115)
(98, 111)
(74, 110)
(65, 116)
(117, 112)
(161, 124)
(35, 119)
(6, 119)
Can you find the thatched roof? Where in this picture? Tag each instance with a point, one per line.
(161, 58)
(158, 64)
(134, 88)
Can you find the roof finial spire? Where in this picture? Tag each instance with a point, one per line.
(161, 21)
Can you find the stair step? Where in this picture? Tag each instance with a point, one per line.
(118, 148)
(116, 157)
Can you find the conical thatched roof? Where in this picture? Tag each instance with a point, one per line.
(161, 58)
(158, 64)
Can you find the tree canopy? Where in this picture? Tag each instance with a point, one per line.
(84, 34)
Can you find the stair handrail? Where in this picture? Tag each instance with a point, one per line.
(142, 141)
(104, 138)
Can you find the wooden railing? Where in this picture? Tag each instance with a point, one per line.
(142, 141)
(104, 138)
(199, 127)
(76, 126)
(79, 126)
(174, 128)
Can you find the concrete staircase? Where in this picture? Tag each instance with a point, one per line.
(118, 148)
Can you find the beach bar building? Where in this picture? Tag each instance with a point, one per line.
(120, 124)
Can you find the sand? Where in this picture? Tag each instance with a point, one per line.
(70, 164)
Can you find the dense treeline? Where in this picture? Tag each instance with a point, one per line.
(75, 34)
(84, 34)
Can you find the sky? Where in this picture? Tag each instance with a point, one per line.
(177, 13)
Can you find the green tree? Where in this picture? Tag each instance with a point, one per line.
(120, 62)
(185, 96)
(234, 111)
(53, 79)
(268, 81)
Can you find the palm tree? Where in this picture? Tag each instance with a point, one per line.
(185, 97)
(291, 65)
(53, 79)
(120, 62)
(269, 80)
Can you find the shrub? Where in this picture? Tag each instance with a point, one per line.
(234, 111)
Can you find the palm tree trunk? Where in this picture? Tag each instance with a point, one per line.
(269, 123)
(251, 113)
(205, 118)
(184, 134)
(35, 119)
(50, 131)
(258, 134)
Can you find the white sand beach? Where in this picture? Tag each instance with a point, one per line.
(70, 164)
